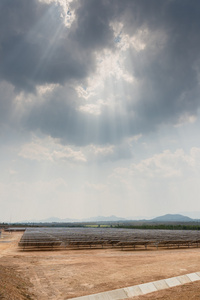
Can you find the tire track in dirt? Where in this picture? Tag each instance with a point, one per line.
(8, 244)
(43, 286)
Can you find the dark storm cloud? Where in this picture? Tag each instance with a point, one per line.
(6, 103)
(92, 28)
(170, 78)
(59, 116)
(36, 48)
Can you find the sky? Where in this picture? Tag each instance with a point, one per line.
(99, 108)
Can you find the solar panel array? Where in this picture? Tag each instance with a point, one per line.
(106, 237)
(38, 238)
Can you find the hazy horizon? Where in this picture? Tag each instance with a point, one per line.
(192, 215)
(99, 108)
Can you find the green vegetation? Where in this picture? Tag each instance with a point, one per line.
(161, 226)
(98, 225)
(116, 224)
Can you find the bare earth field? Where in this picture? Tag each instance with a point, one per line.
(65, 274)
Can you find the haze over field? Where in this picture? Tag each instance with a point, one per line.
(99, 108)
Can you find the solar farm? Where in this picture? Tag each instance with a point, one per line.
(91, 238)
(87, 261)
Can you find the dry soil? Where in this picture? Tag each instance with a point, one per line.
(59, 275)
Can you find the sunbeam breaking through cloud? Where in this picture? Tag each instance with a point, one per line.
(99, 107)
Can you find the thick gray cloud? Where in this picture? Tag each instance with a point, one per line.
(170, 78)
(36, 48)
(6, 103)
(92, 29)
(59, 116)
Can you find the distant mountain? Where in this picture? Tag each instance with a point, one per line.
(58, 220)
(165, 218)
(172, 218)
(191, 214)
(139, 218)
(104, 219)
(50, 220)
(93, 219)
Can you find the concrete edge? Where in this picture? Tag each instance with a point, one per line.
(142, 289)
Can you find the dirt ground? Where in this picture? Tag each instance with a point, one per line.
(13, 285)
(65, 274)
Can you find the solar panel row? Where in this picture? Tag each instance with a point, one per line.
(107, 237)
